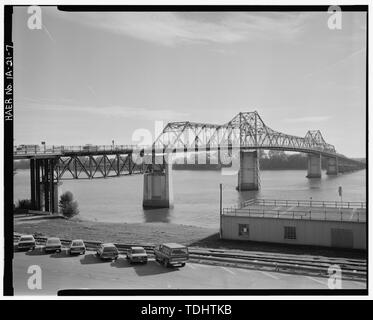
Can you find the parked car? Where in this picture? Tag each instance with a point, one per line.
(77, 247)
(171, 254)
(53, 245)
(26, 242)
(107, 251)
(137, 254)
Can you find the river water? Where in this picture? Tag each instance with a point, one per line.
(196, 194)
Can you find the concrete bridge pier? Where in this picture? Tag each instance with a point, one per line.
(314, 166)
(332, 167)
(49, 200)
(248, 174)
(44, 187)
(225, 157)
(158, 191)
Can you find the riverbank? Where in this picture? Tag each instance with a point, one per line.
(140, 233)
(156, 233)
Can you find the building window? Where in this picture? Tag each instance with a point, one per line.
(243, 230)
(290, 233)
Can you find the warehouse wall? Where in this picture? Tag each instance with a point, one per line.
(308, 232)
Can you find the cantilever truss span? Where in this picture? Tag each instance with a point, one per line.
(246, 130)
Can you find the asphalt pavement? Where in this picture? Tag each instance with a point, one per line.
(62, 271)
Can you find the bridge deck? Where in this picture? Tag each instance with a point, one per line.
(38, 152)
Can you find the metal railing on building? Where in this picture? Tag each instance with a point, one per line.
(303, 203)
(311, 210)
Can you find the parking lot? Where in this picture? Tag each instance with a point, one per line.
(62, 271)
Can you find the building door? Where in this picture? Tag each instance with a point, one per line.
(342, 238)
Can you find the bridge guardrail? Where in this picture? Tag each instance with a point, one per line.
(25, 150)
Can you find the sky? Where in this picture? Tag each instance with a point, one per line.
(90, 78)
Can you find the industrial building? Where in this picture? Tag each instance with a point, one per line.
(316, 223)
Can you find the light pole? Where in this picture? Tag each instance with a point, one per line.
(221, 209)
(340, 194)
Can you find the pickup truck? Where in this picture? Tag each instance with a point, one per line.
(171, 254)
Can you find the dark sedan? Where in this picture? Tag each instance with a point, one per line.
(53, 245)
(26, 242)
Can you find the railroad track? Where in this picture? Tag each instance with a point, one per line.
(351, 269)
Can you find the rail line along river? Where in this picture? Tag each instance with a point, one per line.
(196, 194)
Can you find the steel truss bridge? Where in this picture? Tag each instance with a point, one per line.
(246, 131)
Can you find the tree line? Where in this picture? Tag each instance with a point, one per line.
(279, 160)
(67, 205)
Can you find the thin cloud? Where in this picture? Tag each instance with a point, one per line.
(107, 111)
(309, 119)
(336, 63)
(170, 29)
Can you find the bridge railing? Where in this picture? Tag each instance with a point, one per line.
(98, 148)
(37, 149)
(304, 203)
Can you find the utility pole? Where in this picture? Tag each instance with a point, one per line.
(221, 210)
(340, 193)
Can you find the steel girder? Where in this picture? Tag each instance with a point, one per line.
(96, 166)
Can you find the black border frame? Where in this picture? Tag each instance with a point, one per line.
(8, 153)
(8, 170)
